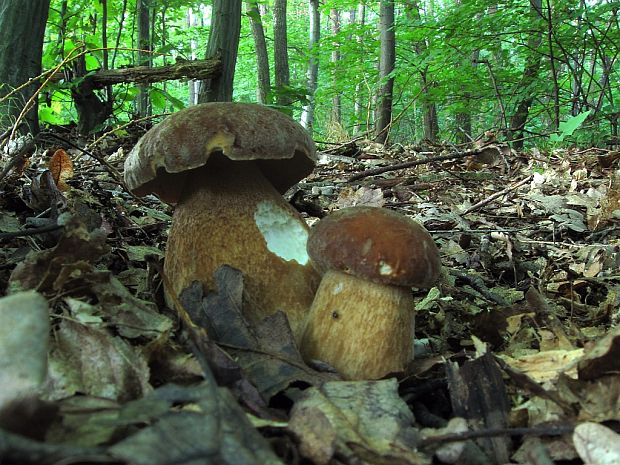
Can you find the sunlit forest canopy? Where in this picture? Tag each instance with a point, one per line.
(524, 69)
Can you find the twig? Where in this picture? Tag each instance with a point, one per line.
(19, 449)
(492, 197)
(408, 164)
(556, 430)
(123, 126)
(31, 232)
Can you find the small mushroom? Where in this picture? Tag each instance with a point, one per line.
(226, 166)
(362, 317)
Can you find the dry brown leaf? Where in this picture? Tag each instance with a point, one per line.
(61, 167)
(547, 365)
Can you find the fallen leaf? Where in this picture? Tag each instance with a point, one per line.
(91, 361)
(597, 444)
(266, 351)
(206, 424)
(355, 419)
(61, 167)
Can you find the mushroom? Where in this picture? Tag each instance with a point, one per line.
(225, 166)
(362, 318)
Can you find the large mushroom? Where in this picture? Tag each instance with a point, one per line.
(225, 166)
(362, 318)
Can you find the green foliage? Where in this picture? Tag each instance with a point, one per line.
(568, 127)
(468, 59)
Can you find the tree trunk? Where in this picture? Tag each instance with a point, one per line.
(193, 84)
(358, 108)
(387, 62)
(223, 40)
(336, 116)
(530, 74)
(552, 65)
(280, 54)
(307, 115)
(429, 109)
(463, 117)
(104, 43)
(22, 26)
(144, 55)
(262, 58)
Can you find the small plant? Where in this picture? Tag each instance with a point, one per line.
(568, 127)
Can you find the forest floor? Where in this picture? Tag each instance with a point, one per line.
(517, 348)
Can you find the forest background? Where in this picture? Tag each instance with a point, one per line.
(409, 69)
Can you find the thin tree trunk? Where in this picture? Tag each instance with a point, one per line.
(358, 108)
(144, 55)
(104, 43)
(530, 74)
(223, 39)
(307, 115)
(336, 113)
(280, 54)
(119, 33)
(463, 118)
(429, 109)
(260, 45)
(554, 71)
(193, 85)
(387, 62)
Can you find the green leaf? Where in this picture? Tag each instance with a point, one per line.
(568, 127)
(572, 124)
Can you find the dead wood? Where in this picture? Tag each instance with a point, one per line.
(196, 69)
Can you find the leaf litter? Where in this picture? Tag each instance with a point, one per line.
(516, 349)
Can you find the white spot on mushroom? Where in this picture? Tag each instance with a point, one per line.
(337, 289)
(385, 269)
(284, 234)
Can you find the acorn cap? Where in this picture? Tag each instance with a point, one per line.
(284, 150)
(375, 244)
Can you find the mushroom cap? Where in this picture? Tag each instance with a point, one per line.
(375, 244)
(284, 150)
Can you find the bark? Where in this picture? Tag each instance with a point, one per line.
(280, 53)
(92, 112)
(104, 42)
(22, 26)
(336, 116)
(223, 41)
(198, 69)
(307, 116)
(463, 117)
(119, 32)
(192, 84)
(429, 109)
(144, 55)
(554, 71)
(530, 74)
(357, 106)
(387, 62)
(262, 58)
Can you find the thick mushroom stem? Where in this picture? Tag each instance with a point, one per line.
(230, 214)
(361, 328)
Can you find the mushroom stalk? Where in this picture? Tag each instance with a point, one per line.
(361, 343)
(229, 213)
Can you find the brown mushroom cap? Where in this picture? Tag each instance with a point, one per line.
(376, 244)
(284, 151)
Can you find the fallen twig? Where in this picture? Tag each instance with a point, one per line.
(408, 164)
(492, 197)
(31, 232)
